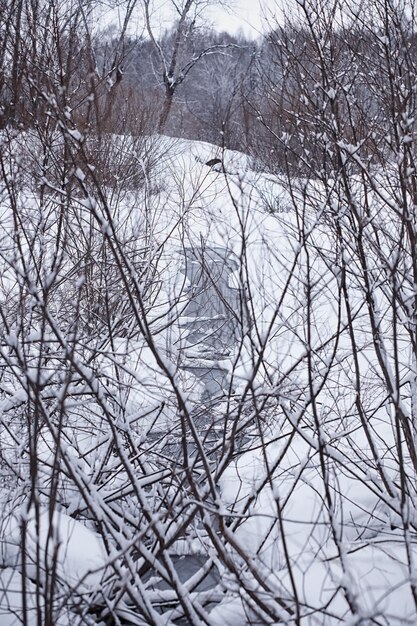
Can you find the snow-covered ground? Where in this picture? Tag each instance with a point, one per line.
(312, 507)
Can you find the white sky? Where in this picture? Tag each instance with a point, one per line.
(248, 15)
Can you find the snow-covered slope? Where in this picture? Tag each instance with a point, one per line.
(289, 480)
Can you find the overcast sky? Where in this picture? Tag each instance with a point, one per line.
(245, 14)
(248, 15)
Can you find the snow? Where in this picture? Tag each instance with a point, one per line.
(303, 492)
(54, 543)
(11, 602)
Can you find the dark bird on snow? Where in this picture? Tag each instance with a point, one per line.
(213, 162)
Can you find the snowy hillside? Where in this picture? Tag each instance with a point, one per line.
(195, 367)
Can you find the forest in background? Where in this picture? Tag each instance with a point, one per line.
(260, 97)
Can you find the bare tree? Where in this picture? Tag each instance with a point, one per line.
(177, 57)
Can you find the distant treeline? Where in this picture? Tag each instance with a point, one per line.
(275, 98)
